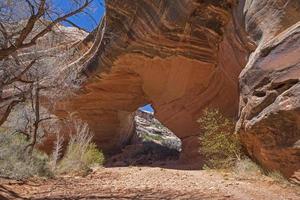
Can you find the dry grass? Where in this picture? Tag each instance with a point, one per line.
(247, 169)
(81, 152)
(16, 163)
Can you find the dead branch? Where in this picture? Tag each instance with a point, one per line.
(9, 108)
(28, 29)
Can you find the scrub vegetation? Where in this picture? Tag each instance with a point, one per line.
(219, 145)
(17, 162)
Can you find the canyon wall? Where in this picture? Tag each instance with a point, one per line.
(182, 56)
(269, 121)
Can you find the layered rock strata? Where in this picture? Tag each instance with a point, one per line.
(270, 86)
(185, 55)
(151, 144)
(181, 56)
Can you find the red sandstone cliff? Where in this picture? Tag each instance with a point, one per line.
(184, 55)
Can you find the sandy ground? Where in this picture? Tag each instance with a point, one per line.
(151, 183)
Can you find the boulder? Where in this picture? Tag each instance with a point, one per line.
(151, 144)
(270, 86)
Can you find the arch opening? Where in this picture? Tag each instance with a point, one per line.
(147, 108)
(151, 144)
(177, 80)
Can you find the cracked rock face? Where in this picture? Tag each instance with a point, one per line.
(269, 121)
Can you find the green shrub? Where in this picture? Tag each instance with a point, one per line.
(93, 155)
(219, 145)
(15, 162)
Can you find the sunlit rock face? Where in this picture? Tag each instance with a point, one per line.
(269, 120)
(182, 56)
(151, 144)
(179, 55)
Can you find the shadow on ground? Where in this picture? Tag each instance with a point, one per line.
(7, 194)
(145, 194)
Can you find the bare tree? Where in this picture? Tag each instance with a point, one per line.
(39, 12)
(20, 34)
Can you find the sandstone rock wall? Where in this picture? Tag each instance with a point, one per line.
(270, 101)
(184, 55)
(181, 56)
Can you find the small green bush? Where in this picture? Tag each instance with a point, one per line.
(219, 145)
(93, 155)
(15, 162)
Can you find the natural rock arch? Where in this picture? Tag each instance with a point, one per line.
(184, 55)
(169, 54)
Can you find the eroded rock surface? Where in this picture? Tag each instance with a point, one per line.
(181, 56)
(270, 87)
(151, 143)
(148, 128)
(184, 55)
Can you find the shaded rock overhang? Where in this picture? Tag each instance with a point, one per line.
(181, 56)
(185, 55)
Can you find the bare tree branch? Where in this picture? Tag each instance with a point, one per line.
(18, 77)
(19, 44)
(9, 109)
(22, 79)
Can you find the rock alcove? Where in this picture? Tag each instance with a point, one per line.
(241, 57)
(166, 54)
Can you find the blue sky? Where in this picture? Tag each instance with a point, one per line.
(85, 21)
(147, 108)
